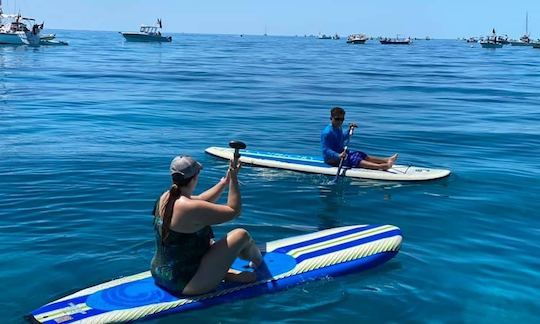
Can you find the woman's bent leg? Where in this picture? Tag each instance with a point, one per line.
(216, 262)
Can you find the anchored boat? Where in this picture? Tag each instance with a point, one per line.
(395, 41)
(14, 30)
(493, 41)
(523, 40)
(147, 34)
(19, 30)
(357, 39)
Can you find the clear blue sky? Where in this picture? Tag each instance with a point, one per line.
(416, 18)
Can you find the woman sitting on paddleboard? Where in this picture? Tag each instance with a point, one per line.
(333, 146)
(187, 259)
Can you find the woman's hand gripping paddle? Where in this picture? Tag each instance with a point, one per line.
(237, 146)
(351, 131)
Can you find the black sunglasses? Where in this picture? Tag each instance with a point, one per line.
(339, 119)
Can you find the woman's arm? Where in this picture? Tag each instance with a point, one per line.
(197, 213)
(213, 194)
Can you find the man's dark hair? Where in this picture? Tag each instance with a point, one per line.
(337, 111)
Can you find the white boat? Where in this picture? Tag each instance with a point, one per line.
(357, 39)
(14, 30)
(19, 30)
(524, 40)
(147, 34)
(53, 42)
(47, 37)
(493, 41)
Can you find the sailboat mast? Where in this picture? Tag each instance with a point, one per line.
(527, 23)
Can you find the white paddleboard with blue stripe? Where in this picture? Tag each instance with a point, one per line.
(315, 164)
(287, 262)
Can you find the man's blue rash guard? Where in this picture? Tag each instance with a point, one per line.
(333, 142)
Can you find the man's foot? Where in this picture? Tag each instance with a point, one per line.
(393, 158)
(386, 166)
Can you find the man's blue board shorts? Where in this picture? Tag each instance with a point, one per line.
(354, 158)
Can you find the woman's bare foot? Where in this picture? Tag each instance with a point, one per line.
(240, 276)
(254, 265)
(255, 257)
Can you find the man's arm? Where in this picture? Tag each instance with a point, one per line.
(326, 143)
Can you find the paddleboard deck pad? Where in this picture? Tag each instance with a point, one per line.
(287, 262)
(315, 164)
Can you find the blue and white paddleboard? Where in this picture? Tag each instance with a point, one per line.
(287, 262)
(315, 164)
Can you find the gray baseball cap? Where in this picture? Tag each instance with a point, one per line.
(186, 166)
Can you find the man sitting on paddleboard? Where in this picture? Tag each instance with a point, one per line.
(187, 260)
(333, 146)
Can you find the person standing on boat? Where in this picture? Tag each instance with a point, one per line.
(333, 140)
(187, 259)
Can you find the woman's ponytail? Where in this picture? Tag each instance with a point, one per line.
(174, 193)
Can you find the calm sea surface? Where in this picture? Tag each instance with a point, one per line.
(87, 132)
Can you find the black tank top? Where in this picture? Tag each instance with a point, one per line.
(178, 257)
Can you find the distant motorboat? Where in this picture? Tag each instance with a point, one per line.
(53, 42)
(356, 39)
(472, 40)
(395, 41)
(336, 36)
(47, 37)
(147, 34)
(536, 44)
(324, 36)
(523, 41)
(488, 44)
(50, 40)
(493, 41)
(503, 39)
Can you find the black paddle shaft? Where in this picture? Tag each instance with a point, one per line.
(237, 146)
(346, 148)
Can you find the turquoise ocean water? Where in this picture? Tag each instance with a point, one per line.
(87, 132)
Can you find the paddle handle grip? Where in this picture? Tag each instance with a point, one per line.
(237, 146)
